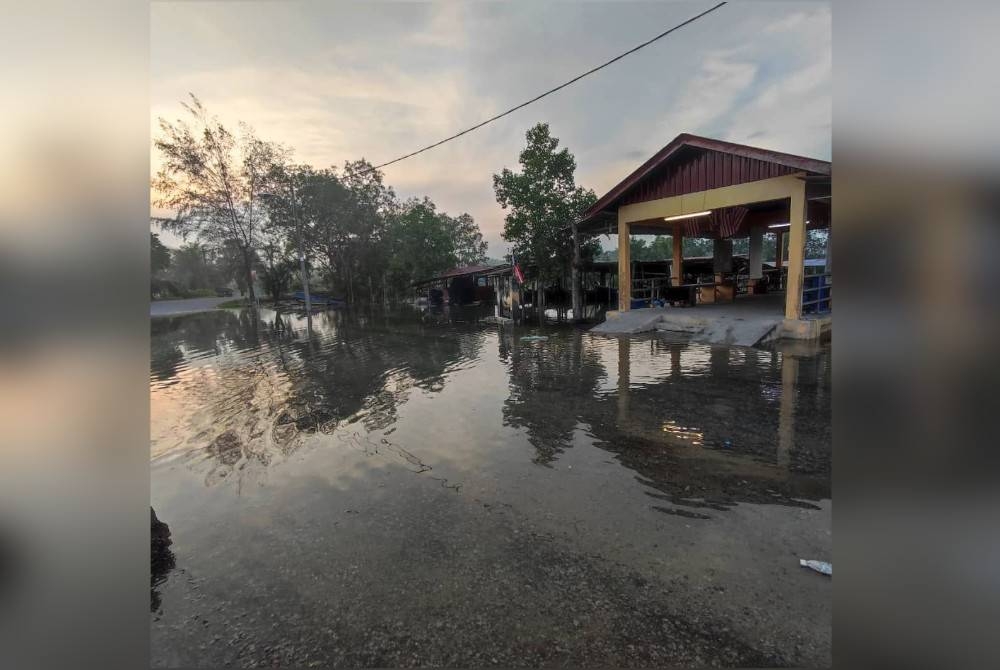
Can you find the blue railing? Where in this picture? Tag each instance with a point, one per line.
(817, 293)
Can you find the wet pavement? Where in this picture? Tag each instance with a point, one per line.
(418, 489)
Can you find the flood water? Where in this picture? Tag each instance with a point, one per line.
(417, 488)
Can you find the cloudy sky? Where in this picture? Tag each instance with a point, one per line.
(344, 80)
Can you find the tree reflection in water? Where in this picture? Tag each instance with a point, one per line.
(272, 383)
(704, 427)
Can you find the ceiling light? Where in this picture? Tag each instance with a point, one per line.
(687, 216)
(779, 225)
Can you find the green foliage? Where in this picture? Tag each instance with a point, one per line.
(469, 246)
(213, 179)
(192, 268)
(251, 208)
(422, 243)
(541, 202)
(159, 255)
(662, 247)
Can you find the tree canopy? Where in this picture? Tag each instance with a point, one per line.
(542, 201)
(246, 202)
(213, 179)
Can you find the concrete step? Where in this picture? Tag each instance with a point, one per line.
(702, 326)
(630, 322)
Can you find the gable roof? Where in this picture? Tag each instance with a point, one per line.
(784, 163)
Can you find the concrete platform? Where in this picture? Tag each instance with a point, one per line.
(748, 321)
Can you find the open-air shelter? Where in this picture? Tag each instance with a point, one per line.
(706, 188)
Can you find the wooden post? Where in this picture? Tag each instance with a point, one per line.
(796, 252)
(677, 266)
(575, 277)
(624, 267)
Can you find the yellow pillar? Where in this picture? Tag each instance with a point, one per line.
(677, 267)
(796, 251)
(624, 267)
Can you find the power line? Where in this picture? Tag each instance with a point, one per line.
(550, 91)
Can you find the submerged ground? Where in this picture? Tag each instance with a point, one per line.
(417, 489)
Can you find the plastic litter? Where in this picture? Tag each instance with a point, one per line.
(534, 338)
(819, 566)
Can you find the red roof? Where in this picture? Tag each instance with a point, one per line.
(692, 163)
(465, 270)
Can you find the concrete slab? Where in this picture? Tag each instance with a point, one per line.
(631, 322)
(747, 321)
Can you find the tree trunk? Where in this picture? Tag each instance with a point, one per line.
(577, 289)
(248, 270)
(540, 299)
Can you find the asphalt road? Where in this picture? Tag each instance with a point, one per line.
(187, 306)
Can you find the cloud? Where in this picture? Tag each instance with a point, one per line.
(341, 82)
(713, 92)
(446, 29)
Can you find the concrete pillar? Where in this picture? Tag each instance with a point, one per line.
(624, 267)
(756, 252)
(677, 266)
(576, 277)
(796, 251)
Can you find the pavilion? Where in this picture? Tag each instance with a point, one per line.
(706, 188)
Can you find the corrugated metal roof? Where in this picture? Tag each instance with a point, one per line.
(691, 163)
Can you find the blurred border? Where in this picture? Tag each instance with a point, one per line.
(915, 236)
(74, 208)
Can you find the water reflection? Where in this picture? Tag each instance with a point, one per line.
(248, 391)
(703, 427)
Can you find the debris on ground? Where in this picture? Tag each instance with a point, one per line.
(818, 566)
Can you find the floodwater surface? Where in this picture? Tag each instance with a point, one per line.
(414, 489)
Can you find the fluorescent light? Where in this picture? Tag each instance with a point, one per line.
(783, 225)
(687, 216)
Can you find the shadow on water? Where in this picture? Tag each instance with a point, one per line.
(161, 561)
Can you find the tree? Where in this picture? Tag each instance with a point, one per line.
(159, 255)
(542, 201)
(278, 269)
(192, 267)
(421, 243)
(469, 246)
(373, 206)
(327, 207)
(213, 179)
(816, 243)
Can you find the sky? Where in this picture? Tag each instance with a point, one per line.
(339, 81)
